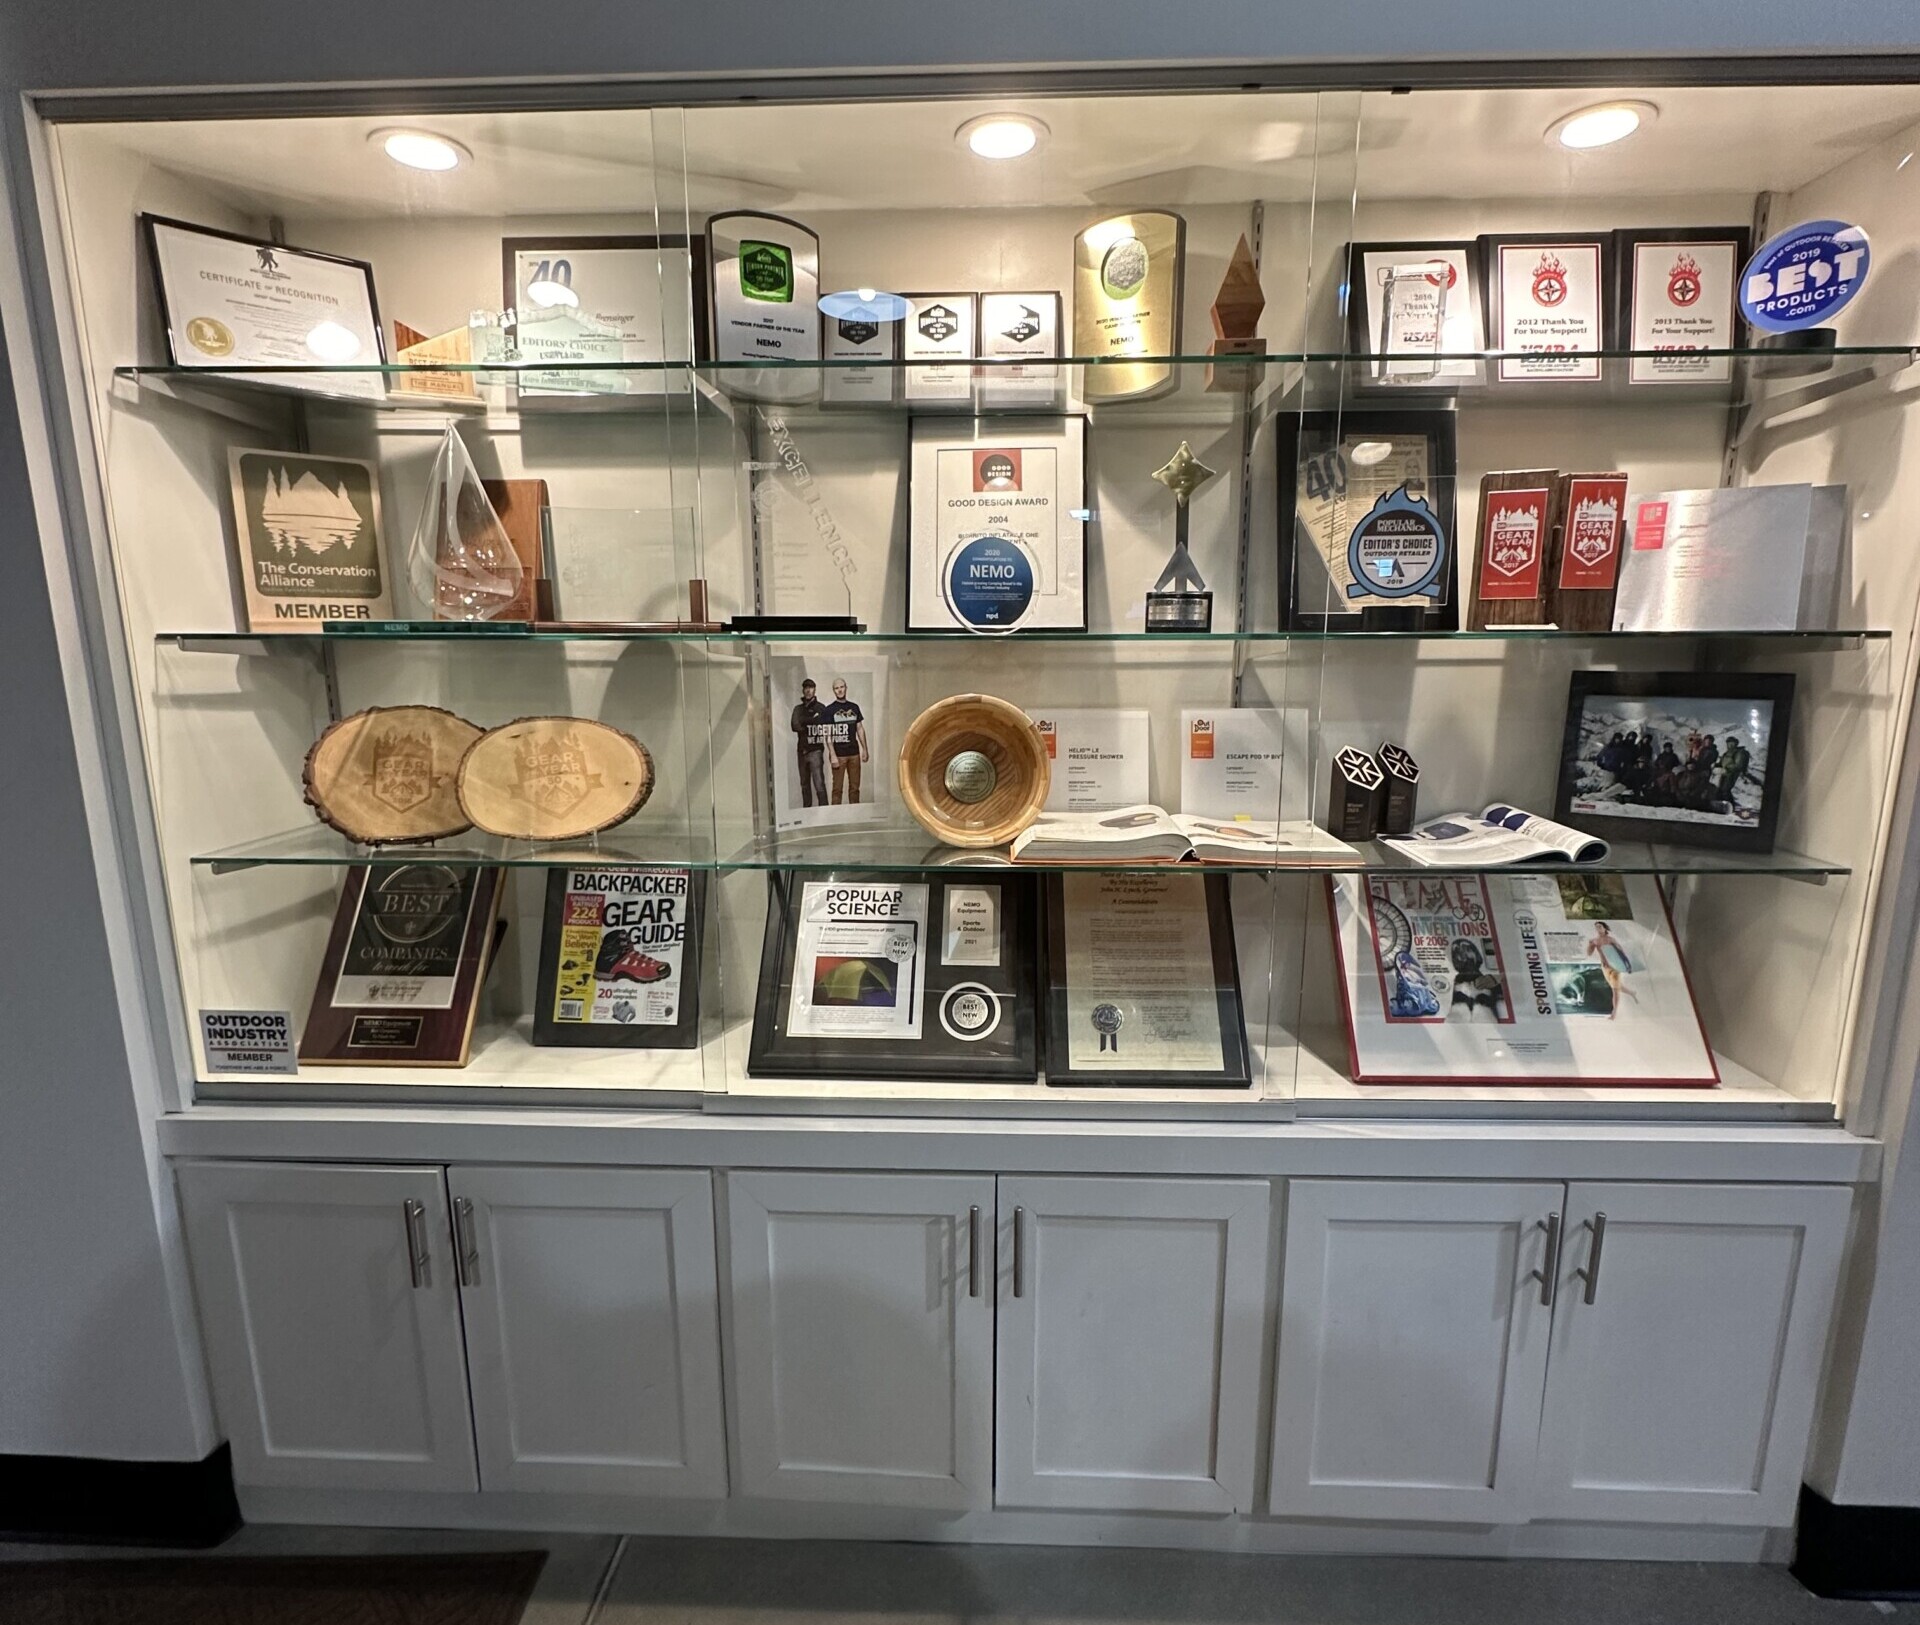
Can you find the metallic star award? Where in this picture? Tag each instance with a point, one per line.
(1179, 600)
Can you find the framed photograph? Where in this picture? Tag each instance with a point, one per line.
(1408, 304)
(829, 757)
(1018, 484)
(1549, 296)
(1677, 293)
(1143, 984)
(307, 544)
(1687, 758)
(876, 976)
(1340, 470)
(233, 302)
(1451, 978)
(612, 299)
(620, 958)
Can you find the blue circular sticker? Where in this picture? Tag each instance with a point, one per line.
(1803, 276)
(1398, 550)
(990, 583)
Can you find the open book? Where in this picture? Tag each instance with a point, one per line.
(1147, 834)
(1498, 834)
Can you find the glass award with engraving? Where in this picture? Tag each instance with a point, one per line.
(461, 564)
(1179, 600)
(765, 304)
(1128, 272)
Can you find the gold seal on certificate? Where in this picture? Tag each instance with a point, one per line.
(1127, 277)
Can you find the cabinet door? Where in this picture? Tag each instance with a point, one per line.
(1132, 1313)
(863, 1336)
(1413, 1349)
(593, 1332)
(1687, 1345)
(335, 1354)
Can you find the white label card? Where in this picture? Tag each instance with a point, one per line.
(972, 935)
(1100, 758)
(248, 1041)
(1234, 763)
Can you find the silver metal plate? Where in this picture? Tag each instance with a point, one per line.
(970, 777)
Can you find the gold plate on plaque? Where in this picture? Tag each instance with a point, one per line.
(387, 774)
(1128, 272)
(974, 770)
(554, 778)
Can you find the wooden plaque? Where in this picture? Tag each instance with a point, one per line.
(388, 774)
(1583, 568)
(519, 504)
(974, 770)
(554, 778)
(1509, 585)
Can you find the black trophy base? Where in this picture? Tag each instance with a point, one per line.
(1392, 618)
(1179, 612)
(1794, 355)
(795, 623)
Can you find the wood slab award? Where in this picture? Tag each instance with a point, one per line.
(389, 773)
(974, 770)
(1583, 569)
(1128, 272)
(553, 778)
(1236, 319)
(1548, 304)
(1516, 534)
(766, 302)
(1358, 796)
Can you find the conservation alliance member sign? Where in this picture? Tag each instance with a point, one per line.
(858, 968)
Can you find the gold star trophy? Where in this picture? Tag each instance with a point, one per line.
(1179, 600)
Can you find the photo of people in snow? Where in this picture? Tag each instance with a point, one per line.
(1701, 761)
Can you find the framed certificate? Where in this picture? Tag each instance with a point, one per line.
(1017, 484)
(1143, 986)
(1416, 311)
(613, 299)
(1679, 295)
(1338, 471)
(878, 976)
(1547, 296)
(229, 302)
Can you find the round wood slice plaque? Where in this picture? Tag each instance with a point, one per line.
(554, 778)
(974, 770)
(388, 774)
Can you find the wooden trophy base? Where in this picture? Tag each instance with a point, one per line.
(1240, 374)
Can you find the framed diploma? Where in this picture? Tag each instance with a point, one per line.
(1575, 979)
(876, 976)
(1345, 476)
(1416, 312)
(1547, 298)
(1013, 488)
(1143, 986)
(229, 302)
(578, 300)
(1678, 296)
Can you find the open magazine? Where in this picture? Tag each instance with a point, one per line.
(1498, 834)
(1148, 834)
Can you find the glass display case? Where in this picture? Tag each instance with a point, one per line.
(1297, 467)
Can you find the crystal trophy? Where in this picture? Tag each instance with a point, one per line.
(461, 564)
(1179, 600)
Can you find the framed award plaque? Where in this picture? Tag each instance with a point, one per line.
(1129, 276)
(1366, 520)
(863, 350)
(880, 976)
(1417, 312)
(938, 340)
(1143, 985)
(1020, 337)
(1548, 300)
(1678, 294)
(765, 306)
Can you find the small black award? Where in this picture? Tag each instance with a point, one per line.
(1402, 774)
(1179, 600)
(1359, 788)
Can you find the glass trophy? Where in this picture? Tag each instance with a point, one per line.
(1179, 600)
(1413, 317)
(461, 564)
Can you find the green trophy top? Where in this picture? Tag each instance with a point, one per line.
(1183, 474)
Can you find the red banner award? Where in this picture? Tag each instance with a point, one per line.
(1516, 530)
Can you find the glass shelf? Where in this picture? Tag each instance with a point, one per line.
(911, 849)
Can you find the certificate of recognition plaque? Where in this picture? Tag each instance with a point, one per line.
(1548, 299)
(1680, 296)
(937, 340)
(1143, 984)
(1128, 276)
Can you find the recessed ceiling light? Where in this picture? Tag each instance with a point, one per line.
(1600, 126)
(1001, 135)
(420, 149)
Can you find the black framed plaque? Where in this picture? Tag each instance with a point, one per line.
(926, 975)
(1677, 295)
(1416, 315)
(1549, 305)
(1143, 982)
(1336, 471)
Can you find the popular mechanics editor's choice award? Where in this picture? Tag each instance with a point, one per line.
(1126, 302)
(1179, 600)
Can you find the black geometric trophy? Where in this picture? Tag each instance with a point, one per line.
(1403, 787)
(1359, 788)
(1179, 600)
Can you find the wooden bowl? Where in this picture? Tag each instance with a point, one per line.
(554, 778)
(388, 774)
(974, 770)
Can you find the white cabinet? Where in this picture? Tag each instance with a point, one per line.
(1413, 1349)
(1687, 1345)
(593, 1336)
(332, 1320)
(862, 1336)
(1129, 1347)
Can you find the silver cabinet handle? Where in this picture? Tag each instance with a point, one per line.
(466, 1242)
(419, 1260)
(1591, 1274)
(973, 1252)
(1548, 1272)
(1016, 1250)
